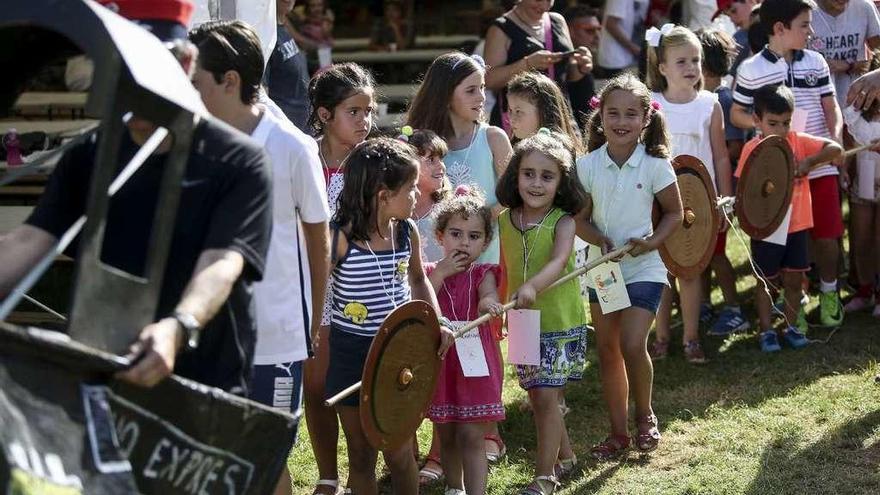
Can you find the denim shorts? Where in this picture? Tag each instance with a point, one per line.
(645, 295)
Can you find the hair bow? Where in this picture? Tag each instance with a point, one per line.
(544, 131)
(653, 35)
(595, 102)
(405, 133)
(462, 190)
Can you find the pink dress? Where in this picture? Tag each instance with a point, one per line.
(460, 399)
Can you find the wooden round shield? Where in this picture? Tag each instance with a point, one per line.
(689, 249)
(765, 186)
(400, 375)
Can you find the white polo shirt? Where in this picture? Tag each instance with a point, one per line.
(623, 198)
(807, 76)
(283, 298)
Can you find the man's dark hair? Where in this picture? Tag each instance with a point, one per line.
(579, 11)
(773, 98)
(231, 45)
(784, 11)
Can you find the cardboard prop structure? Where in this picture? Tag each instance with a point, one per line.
(66, 427)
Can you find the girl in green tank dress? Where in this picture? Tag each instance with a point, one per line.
(541, 192)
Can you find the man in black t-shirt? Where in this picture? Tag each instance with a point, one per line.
(218, 248)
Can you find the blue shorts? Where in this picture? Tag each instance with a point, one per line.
(279, 386)
(645, 295)
(772, 258)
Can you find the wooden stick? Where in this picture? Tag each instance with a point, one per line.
(332, 401)
(863, 147)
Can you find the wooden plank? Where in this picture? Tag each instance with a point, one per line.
(45, 100)
(397, 93)
(13, 216)
(425, 55)
(433, 41)
(61, 127)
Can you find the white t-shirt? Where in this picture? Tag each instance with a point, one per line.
(283, 304)
(613, 55)
(623, 198)
(843, 38)
(259, 14)
(688, 126)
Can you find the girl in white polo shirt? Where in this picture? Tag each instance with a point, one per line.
(628, 169)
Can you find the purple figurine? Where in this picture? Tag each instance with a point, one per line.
(13, 148)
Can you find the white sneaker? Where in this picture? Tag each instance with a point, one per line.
(454, 491)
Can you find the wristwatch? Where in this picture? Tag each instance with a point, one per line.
(191, 327)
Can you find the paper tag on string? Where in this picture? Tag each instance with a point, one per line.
(524, 336)
(607, 280)
(780, 235)
(469, 348)
(799, 120)
(325, 56)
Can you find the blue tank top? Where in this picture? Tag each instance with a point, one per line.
(369, 285)
(475, 166)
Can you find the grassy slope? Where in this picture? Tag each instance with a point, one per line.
(799, 422)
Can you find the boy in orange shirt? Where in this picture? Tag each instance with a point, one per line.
(773, 106)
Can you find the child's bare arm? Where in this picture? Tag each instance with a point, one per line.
(741, 116)
(488, 294)
(670, 220)
(829, 153)
(421, 289)
(720, 156)
(587, 231)
(833, 117)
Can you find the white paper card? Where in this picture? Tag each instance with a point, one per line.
(469, 348)
(607, 281)
(867, 174)
(325, 56)
(799, 120)
(524, 336)
(780, 235)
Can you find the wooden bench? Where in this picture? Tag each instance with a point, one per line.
(365, 57)
(51, 104)
(434, 41)
(396, 93)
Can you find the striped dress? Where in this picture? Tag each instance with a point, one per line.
(368, 285)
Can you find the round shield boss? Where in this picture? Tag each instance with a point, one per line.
(400, 375)
(689, 249)
(765, 186)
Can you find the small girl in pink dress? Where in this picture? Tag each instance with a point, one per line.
(463, 405)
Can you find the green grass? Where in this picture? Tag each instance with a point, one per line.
(798, 422)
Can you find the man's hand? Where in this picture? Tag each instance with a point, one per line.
(154, 353)
(583, 59)
(641, 246)
(864, 91)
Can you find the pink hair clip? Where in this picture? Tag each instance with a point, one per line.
(595, 102)
(462, 190)
(655, 105)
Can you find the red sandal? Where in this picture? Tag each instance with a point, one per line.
(613, 447)
(648, 436)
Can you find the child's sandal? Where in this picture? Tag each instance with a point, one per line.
(564, 467)
(648, 434)
(541, 485)
(611, 448)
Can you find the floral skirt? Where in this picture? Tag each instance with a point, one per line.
(563, 356)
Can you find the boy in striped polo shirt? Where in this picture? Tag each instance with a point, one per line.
(785, 60)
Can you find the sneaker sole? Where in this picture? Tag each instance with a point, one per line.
(744, 327)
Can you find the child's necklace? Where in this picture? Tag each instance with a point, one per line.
(393, 269)
(527, 251)
(470, 272)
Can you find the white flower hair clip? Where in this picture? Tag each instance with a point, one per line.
(654, 35)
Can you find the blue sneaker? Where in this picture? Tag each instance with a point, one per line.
(769, 341)
(795, 338)
(729, 321)
(706, 313)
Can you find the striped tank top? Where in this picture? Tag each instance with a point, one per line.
(368, 286)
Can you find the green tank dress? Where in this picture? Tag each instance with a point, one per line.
(563, 319)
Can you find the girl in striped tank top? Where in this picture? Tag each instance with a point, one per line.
(376, 267)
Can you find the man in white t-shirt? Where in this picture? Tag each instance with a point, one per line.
(620, 42)
(228, 81)
(843, 31)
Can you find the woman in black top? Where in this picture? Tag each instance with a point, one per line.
(517, 42)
